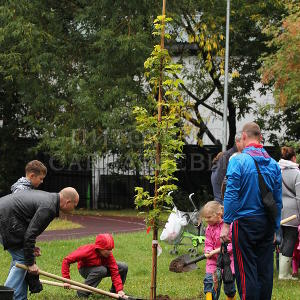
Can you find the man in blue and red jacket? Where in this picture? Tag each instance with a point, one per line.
(96, 261)
(252, 231)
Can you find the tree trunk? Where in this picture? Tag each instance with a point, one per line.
(154, 263)
(158, 161)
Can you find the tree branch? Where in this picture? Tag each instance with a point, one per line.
(199, 123)
(201, 101)
(194, 122)
(204, 129)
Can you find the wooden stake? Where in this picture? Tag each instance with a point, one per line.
(157, 161)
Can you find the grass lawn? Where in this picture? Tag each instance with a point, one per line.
(135, 249)
(62, 223)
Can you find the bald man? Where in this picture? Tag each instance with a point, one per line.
(23, 217)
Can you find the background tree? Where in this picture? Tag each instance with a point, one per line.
(108, 81)
(282, 67)
(281, 73)
(201, 30)
(28, 59)
(279, 125)
(70, 73)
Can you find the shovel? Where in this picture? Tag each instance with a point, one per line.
(81, 285)
(185, 263)
(292, 217)
(60, 284)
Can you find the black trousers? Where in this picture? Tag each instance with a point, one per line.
(252, 241)
(93, 276)
(289, 240)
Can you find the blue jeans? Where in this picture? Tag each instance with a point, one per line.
(16, 276)
(229, 288)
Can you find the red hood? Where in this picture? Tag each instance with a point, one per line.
(104, 242)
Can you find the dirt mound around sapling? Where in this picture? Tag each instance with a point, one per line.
(163, 297)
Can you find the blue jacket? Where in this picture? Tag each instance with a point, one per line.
(242, 197)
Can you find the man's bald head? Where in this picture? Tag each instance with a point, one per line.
(251, 133)
(252, 130)
(68, 195)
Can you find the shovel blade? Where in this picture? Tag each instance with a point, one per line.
(189, 268)
(178, 264)
(127, 297)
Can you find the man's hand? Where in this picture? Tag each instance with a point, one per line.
(67, 285)
(224, 235)
(37, 251)
(34, 269)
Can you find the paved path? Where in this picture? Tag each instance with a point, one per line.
(93, 225)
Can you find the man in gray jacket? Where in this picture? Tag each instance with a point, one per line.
(23, 217)
(291, 206)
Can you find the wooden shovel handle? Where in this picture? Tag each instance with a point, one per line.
(85, 286)
(202, 257)
(73, 287)
(288, 219)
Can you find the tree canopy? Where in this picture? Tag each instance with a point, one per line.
(282, 67)
(71, 71)
(202, 29)
(281, 73)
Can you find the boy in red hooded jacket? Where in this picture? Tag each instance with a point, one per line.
(96, 261)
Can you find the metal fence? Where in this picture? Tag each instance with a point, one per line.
(101, 185)
(114, 187)
(77, 175)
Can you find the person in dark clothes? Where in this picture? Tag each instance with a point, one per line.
(23, 217)
(291, 206)
(214, 174)
(35, 172)
(219, 171)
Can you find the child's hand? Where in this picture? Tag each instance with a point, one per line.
(212, 253)
(208, 254)
(67, 285)
(122, 294)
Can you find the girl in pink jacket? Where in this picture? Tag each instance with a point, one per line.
(296, 256)
(212, 213)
